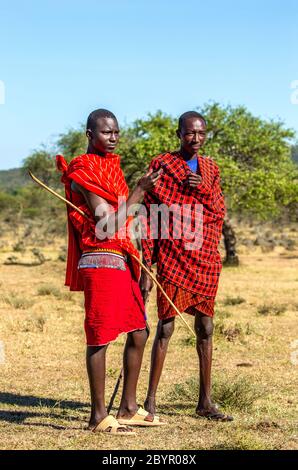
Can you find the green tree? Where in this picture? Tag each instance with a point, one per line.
(42, 164)
(144, 139)
(8, 202)
(32, 200)
(258, 173)
(72, 143)
(254, 155)
(295, 153)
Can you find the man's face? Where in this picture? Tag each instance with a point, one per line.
(104, 138)
(192, 134)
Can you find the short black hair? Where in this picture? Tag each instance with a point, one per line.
(95, 115)
(190, 114)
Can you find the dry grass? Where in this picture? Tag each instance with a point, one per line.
(17, 302)
(234, 300)
(272, 309)
(238, 394)
(44, 398)
(49, 289)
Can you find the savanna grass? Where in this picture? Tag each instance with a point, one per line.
(272, 309)
(18, 302)
(238, 394)
(233, 300)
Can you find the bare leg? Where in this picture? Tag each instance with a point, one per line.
(165, 329)
(204, 332)
(132, 361)
(96, 368)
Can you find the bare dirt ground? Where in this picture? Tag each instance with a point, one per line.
(44, 395)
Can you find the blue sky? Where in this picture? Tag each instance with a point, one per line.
(59, 60)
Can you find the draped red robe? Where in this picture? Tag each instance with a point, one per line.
(104, 177)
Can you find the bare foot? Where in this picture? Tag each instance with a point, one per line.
(94, 421)
(212, 413)
(150, 405)
(126, 413)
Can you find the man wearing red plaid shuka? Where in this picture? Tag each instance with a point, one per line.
(187, 269)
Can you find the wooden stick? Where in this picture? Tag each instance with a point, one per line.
(115, 391)
(164, 293)
(57, 195)
(133, 256)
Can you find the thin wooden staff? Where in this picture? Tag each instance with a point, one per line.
(58, 195)
(115, 391)
(163, 292)
(133, 256)
(40, 183)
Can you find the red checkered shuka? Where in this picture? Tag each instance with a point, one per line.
(104, 177)
(184, 300)
(196, 270)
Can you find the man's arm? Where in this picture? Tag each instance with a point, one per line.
(146, 183)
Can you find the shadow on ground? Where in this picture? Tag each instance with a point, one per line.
(29, 400)
(55, 406)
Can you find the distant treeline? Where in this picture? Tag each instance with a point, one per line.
(257, 160)
(11, 180)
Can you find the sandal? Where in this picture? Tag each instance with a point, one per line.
(214, 415)
(142, 418)
(110, 425)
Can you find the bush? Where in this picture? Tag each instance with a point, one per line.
(8, 202)
(234, 300)
(272, 309)
(239, 394)
(18, 302)
(230, 333)
(49, 289)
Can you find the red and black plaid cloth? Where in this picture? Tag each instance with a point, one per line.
(195, 270)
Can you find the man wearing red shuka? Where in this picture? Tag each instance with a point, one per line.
(189, 275)
(102, 266)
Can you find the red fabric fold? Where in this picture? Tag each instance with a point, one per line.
(73, 277)
(104, 177)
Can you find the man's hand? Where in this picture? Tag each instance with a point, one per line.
(194, 179)
(146, 285)
(149, 180)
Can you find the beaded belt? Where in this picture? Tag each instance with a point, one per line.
(103, 258)
(104, 250)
